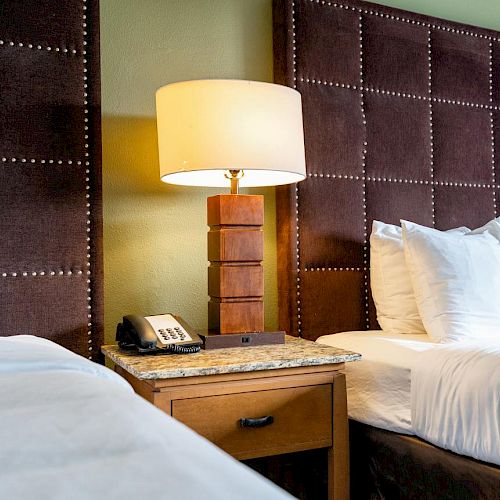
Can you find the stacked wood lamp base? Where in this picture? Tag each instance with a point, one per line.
(235, 252)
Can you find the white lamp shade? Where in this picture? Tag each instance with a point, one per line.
(207, 127)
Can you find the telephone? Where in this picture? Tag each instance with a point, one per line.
(159, 334)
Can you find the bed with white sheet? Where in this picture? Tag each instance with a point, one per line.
(447, 394)
(70, 428)
(378, 386)
(400, 123)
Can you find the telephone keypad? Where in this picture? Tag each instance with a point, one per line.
(168, 330)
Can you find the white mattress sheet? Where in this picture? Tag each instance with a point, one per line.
(379, 386)
(70, 428)
(456, 398)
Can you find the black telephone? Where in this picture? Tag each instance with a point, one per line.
(158, 334)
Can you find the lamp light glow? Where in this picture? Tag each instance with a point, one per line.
(209, 127)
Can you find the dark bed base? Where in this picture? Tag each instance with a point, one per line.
(391, 466)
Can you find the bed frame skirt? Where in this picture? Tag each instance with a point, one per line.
(391, 466)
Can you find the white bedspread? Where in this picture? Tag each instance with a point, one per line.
(70, 428)
(455, 395)
(447, 394)
(379, 386)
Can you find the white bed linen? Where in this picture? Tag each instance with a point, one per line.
(456, 280)
(379, 386)
(456, 398)
(447, 394)
(70, 428)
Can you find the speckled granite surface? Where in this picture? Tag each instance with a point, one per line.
(295, 352)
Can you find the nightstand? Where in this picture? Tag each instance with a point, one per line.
(254, 401)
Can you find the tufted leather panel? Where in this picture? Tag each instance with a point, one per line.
(50, 173)
(401, 119)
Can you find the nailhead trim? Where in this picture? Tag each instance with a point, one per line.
(396, 93)
(37, 46)
(363, 167)
(492, 127)
(316, 81)
(402, 181)
(87, 179)
(42, 273)
(336, 176)
(463, 184)
(297, 285)
(335, 269)
(392, 17)
(431, 126)
(465, 103)
(6, 159)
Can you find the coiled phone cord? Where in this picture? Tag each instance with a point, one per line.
(169, 349)
(181, 349)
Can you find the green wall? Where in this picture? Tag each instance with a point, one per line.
(155, 234)
(485, 13)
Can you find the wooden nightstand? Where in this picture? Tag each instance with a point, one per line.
(292, 395)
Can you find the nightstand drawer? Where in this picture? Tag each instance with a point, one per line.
(301, 420)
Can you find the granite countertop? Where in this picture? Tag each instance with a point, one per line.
(295, 352)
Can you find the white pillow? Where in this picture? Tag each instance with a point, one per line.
(390, 281)
(493, 227)
(456, 281)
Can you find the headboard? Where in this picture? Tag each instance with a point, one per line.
(401, 120)
(50, 173)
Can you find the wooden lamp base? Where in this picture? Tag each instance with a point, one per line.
(235, 275)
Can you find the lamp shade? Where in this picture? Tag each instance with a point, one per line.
(207, 127)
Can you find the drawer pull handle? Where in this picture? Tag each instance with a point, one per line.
(256, 422)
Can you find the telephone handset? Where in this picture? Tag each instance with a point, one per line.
(159, 334)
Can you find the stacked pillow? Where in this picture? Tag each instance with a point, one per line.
(446, 284)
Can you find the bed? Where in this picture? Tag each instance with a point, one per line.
(69, 427)
(72, 428)
(385, 392)
(409, 384)
(401, 122)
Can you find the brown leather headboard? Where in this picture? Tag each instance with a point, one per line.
(401, 118)
(50, 172)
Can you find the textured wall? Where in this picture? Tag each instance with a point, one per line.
(155, 234)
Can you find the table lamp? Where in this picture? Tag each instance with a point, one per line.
(239, 134)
